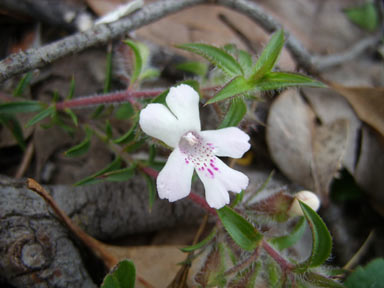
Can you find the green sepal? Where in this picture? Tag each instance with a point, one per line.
(121, 276)
(241, 231)
(235, 113)
(202, 243)
(216, 56)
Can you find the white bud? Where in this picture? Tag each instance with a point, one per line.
(308, 198)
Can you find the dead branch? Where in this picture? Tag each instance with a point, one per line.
(101, 34)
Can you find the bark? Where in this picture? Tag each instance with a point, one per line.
(36, 250)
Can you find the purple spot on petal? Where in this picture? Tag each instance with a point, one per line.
(210, 172)
(214, 167)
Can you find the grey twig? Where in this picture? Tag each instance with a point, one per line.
(35, 58)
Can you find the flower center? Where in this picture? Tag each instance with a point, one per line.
(198, 152)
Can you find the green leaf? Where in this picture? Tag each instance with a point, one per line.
(20, 107)
(365, 16)
(245, 61)
(80, 148)
(93, 178)
(23, 83)
(235, 114)
(317, 280)
(72, 115)
(138, 60)
(40, 116)
(241, 231)
(369, 276)
(129, 135)
(151, 189)
(216, 56)
(194, 67)
(202, 243)
(236, 86)
(278, 80)
(122, 276)
(125, 111)
(13, 125)
(321, 239)
(149, 73)
(269, 56)
(71, 89)
(120, 175)
(108, 129)
(108, 73)
(287, 241)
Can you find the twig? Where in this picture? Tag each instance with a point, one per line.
(363, 249)
(27, 157)
(96, 246)
(36, 58)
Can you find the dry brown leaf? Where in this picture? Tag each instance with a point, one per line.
(308, 153)
(329, 106)
(101, 7)
(368, 103)
(157, 265)
(329, 143)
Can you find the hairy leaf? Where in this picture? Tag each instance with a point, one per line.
(241, 231)
(216, 56)
(235, 114)
(94, 177)
(40, 116)
(80, 148)
(20, 107)
(236, 86)
(202, 243)
(278, 80)
(287, 241)
(269, 56)
(138, 60)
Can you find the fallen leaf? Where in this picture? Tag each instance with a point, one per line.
(368, 103)
(308, 153)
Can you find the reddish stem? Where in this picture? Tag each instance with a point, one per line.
(149, 171)
(202, 203)
(284, 264)
(115, 97)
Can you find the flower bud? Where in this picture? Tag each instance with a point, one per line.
(308, 198)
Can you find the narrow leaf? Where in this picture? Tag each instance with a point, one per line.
(151, 189)
(20, 107)
(71, 89)
(245, 61)
(236, 86)
(269, 55)
(40, 116)
(108, 129)
(13, 125)
(108, 73)
(23, 83)
(241, 231)
(278, 80)
(138, 60)
(321, 281)
(216, 56)
(202, 243)
(122, 276)
(235, 114)
(149, 73)
(129, 135)
(194, 67)
(289, 240)
(93, 178)
(80, 148)
(120, 175)
(72, 115)
(321, 238)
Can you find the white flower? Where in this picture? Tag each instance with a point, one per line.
(179, 127)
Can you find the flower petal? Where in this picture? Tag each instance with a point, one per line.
(174, 180)
(220, 179)
(229, 142)
(157, 121)
(183, 101)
